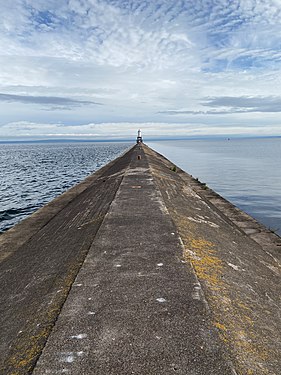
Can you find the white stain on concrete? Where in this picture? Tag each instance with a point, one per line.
(236, 268)
(274, 269)
(200, 221)
(158, 199)
(196, 292)
(161, 300)
(80, 336)
(193, 254)
(181, 242)
(67, 357)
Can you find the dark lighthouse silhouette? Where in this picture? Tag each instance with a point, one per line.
(139, 137)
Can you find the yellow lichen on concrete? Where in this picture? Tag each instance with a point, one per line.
(207, 265)
(220, 326)
(26, 351)
(31, 342)
(231, 316)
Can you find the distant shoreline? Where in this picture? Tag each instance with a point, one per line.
(155, 139)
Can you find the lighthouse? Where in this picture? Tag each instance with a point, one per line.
(139, 137)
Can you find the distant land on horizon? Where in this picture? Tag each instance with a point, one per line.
(148, 139)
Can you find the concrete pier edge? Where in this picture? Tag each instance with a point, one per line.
(254, 229)
(242, 278)
(16, 236)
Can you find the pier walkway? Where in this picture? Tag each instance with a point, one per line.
(140, 269)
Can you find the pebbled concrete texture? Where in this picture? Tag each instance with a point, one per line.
(142, 271)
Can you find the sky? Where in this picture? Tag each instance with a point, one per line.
(101, 69)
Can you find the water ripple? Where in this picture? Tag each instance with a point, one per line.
(33, 174)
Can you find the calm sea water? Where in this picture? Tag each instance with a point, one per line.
(247, 172)
(33, 174)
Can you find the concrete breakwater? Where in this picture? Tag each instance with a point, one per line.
(140, 269)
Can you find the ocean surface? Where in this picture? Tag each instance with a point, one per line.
(246, 171)
(33, 174)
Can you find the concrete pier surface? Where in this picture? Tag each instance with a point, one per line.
(140, 269)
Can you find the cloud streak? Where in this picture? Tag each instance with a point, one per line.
(229, 104)
(245, 104)
(45, 100)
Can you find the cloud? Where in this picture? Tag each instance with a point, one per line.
(245, 104)
(229, 104)
(145, 61)
(45, 100)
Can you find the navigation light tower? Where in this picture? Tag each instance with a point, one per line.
(139, 137)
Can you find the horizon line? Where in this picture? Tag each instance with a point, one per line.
(148, 139)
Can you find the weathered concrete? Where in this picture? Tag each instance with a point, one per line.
(40, 259)
(240, 277)
(136, 306)
(172, 281)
